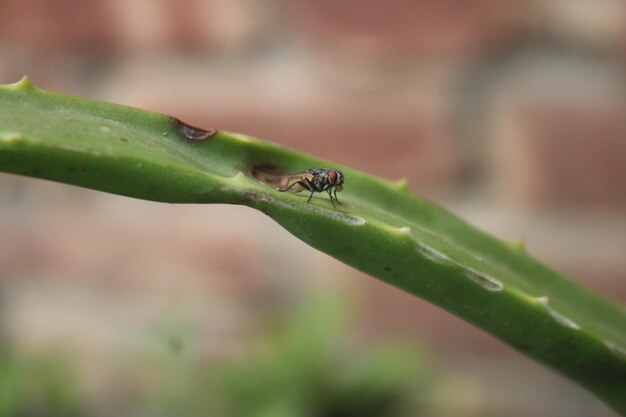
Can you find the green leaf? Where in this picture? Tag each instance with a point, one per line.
(380, 227)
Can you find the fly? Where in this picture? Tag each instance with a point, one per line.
(316, 180)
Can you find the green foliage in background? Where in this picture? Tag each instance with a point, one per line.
(38, 385)
(305, 367)
(301, 364)
(381, 228)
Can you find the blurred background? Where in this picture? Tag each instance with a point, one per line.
(510, 114)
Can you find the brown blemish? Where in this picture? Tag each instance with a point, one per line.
(388, 268)
(269, 173)
(124, 139)
(191, 132)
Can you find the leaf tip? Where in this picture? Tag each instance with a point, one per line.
(518, 245)
(239, 176)
(23, 84)
(401, 185)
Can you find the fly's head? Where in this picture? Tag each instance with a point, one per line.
(335, 178)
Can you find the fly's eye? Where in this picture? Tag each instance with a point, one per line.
(332, 176)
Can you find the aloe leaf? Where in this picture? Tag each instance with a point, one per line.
(380, 227)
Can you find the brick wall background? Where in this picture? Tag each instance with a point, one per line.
(510, 114)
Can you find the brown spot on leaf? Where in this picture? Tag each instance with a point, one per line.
(268, 173)
(191, 132)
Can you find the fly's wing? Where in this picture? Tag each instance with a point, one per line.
(296, 182)
(295, 187)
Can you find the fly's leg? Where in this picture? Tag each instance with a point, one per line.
(305, 184)
(336, 199)
(292, 184)
(310, 187)
(331, 198)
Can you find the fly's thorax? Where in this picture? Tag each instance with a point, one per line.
(319, 178)
(321, 182)
(324, 179)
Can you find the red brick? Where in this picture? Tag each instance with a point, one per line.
(75, 26)
(433, 27)
(64, 25)
(565, 154)
(557, 134)
(187, 25)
